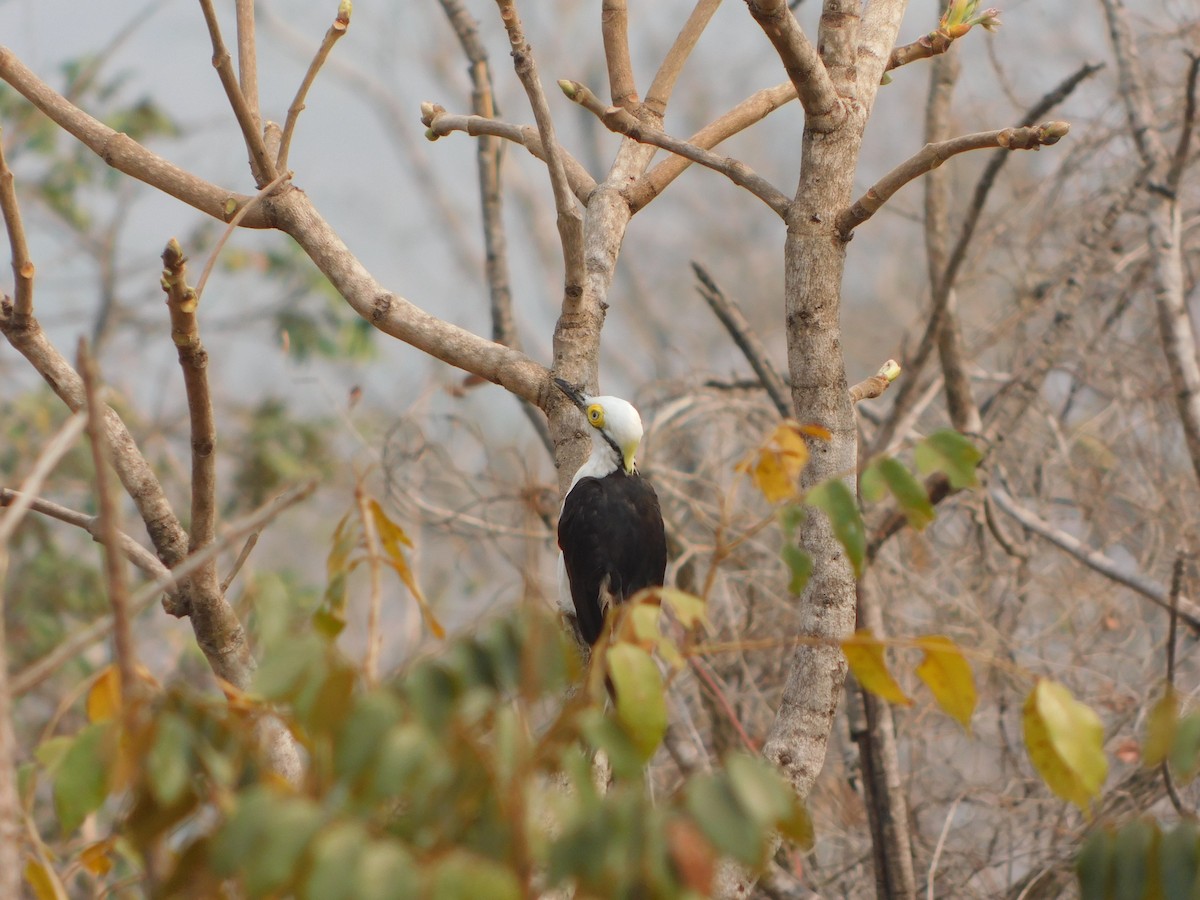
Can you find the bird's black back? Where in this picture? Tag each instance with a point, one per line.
(610, 527)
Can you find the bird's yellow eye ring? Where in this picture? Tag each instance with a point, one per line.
(595, 414)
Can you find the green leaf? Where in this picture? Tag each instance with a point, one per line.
(714, 805)
(335, 853)
(83, 779)
(265, 838)
(290, 666)
(1161, 724)
(1133, 852)
(1179, 860)
(641, 704)
(949, 452)
(358, 742)
(1185, 748)
(837, 501)
(169, 762)
(759, 789)
(603, 733)
(799, 565)
(1093, 865)
(386, 871)
(460, 875)
(910, 494)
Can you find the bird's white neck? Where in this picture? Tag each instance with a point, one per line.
(603, 460)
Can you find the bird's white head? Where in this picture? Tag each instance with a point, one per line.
(616, 425)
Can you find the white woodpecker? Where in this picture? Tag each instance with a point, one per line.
(610, 529)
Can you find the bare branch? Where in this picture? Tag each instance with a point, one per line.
(55, 450)
(134, 552)
(621, 122)
(114, 563)
(824, 110)
(393, 314)
(241, 214)
(1132, 78)
(933, 155)
(122, 152)
(753, 109)
(375, 599)
(37, 672)
(262, 164)
(22, 265)
(11, 812)
(1095, 560)
(672, 65)
(570, 223)
(336, 30)
(182, 302)
(440, 123)
(614, 27)
(941, 38)
(1180, 158)
(248, 59)
(731, 316)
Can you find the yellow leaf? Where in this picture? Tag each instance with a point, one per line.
(344, 541)
(44, 881)
(104, 698)
(95, 857)
(947, 674)
(776, 466)
(643, 625)
(1160, 728)
(689, 609)
(391, 535)
(1065, 742)
(865, 654)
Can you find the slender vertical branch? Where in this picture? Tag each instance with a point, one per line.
(11, 814)
(182, 302)
(247, 42)
(336, 30)
(823, 108)
(262, 164)
(570, 223)
(614, 28)
(375, 598)
(672, 65)
(23, 269)
(115, 575)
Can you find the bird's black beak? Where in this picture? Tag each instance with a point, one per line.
(573, 393)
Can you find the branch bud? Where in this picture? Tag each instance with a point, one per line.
(568, 87)
(1053, 132)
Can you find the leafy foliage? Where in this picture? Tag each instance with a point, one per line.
(466, 775)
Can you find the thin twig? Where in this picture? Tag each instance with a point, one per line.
(10, 802)
(731, 316)
(621, 122)
(122, 152)
(672, 65)
(264, 166)
(570, 222)
(933, 155)
(1180, 157)
(242, 556)
(874, 386)
(336, 30)
(1095, 560)
(244, 211)
(134, 552)
(1176, 591)
(37, 672)
(56, 449)
(115, 575)
(937, 851)
(439, 123)
(753, 109)
(22, 265)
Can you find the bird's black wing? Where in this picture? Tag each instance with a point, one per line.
(610, 528)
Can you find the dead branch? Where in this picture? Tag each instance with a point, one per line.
(335, 31)
(731, 316)
(874, 386)
(621, 122)
(933, 155)
(570, 223)
(263, 165)
(114, 563)
(22, 265)
(247, 44)
(122, 152)
(1098, 562)
(668, 72)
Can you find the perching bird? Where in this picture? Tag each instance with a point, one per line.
(610, 530)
